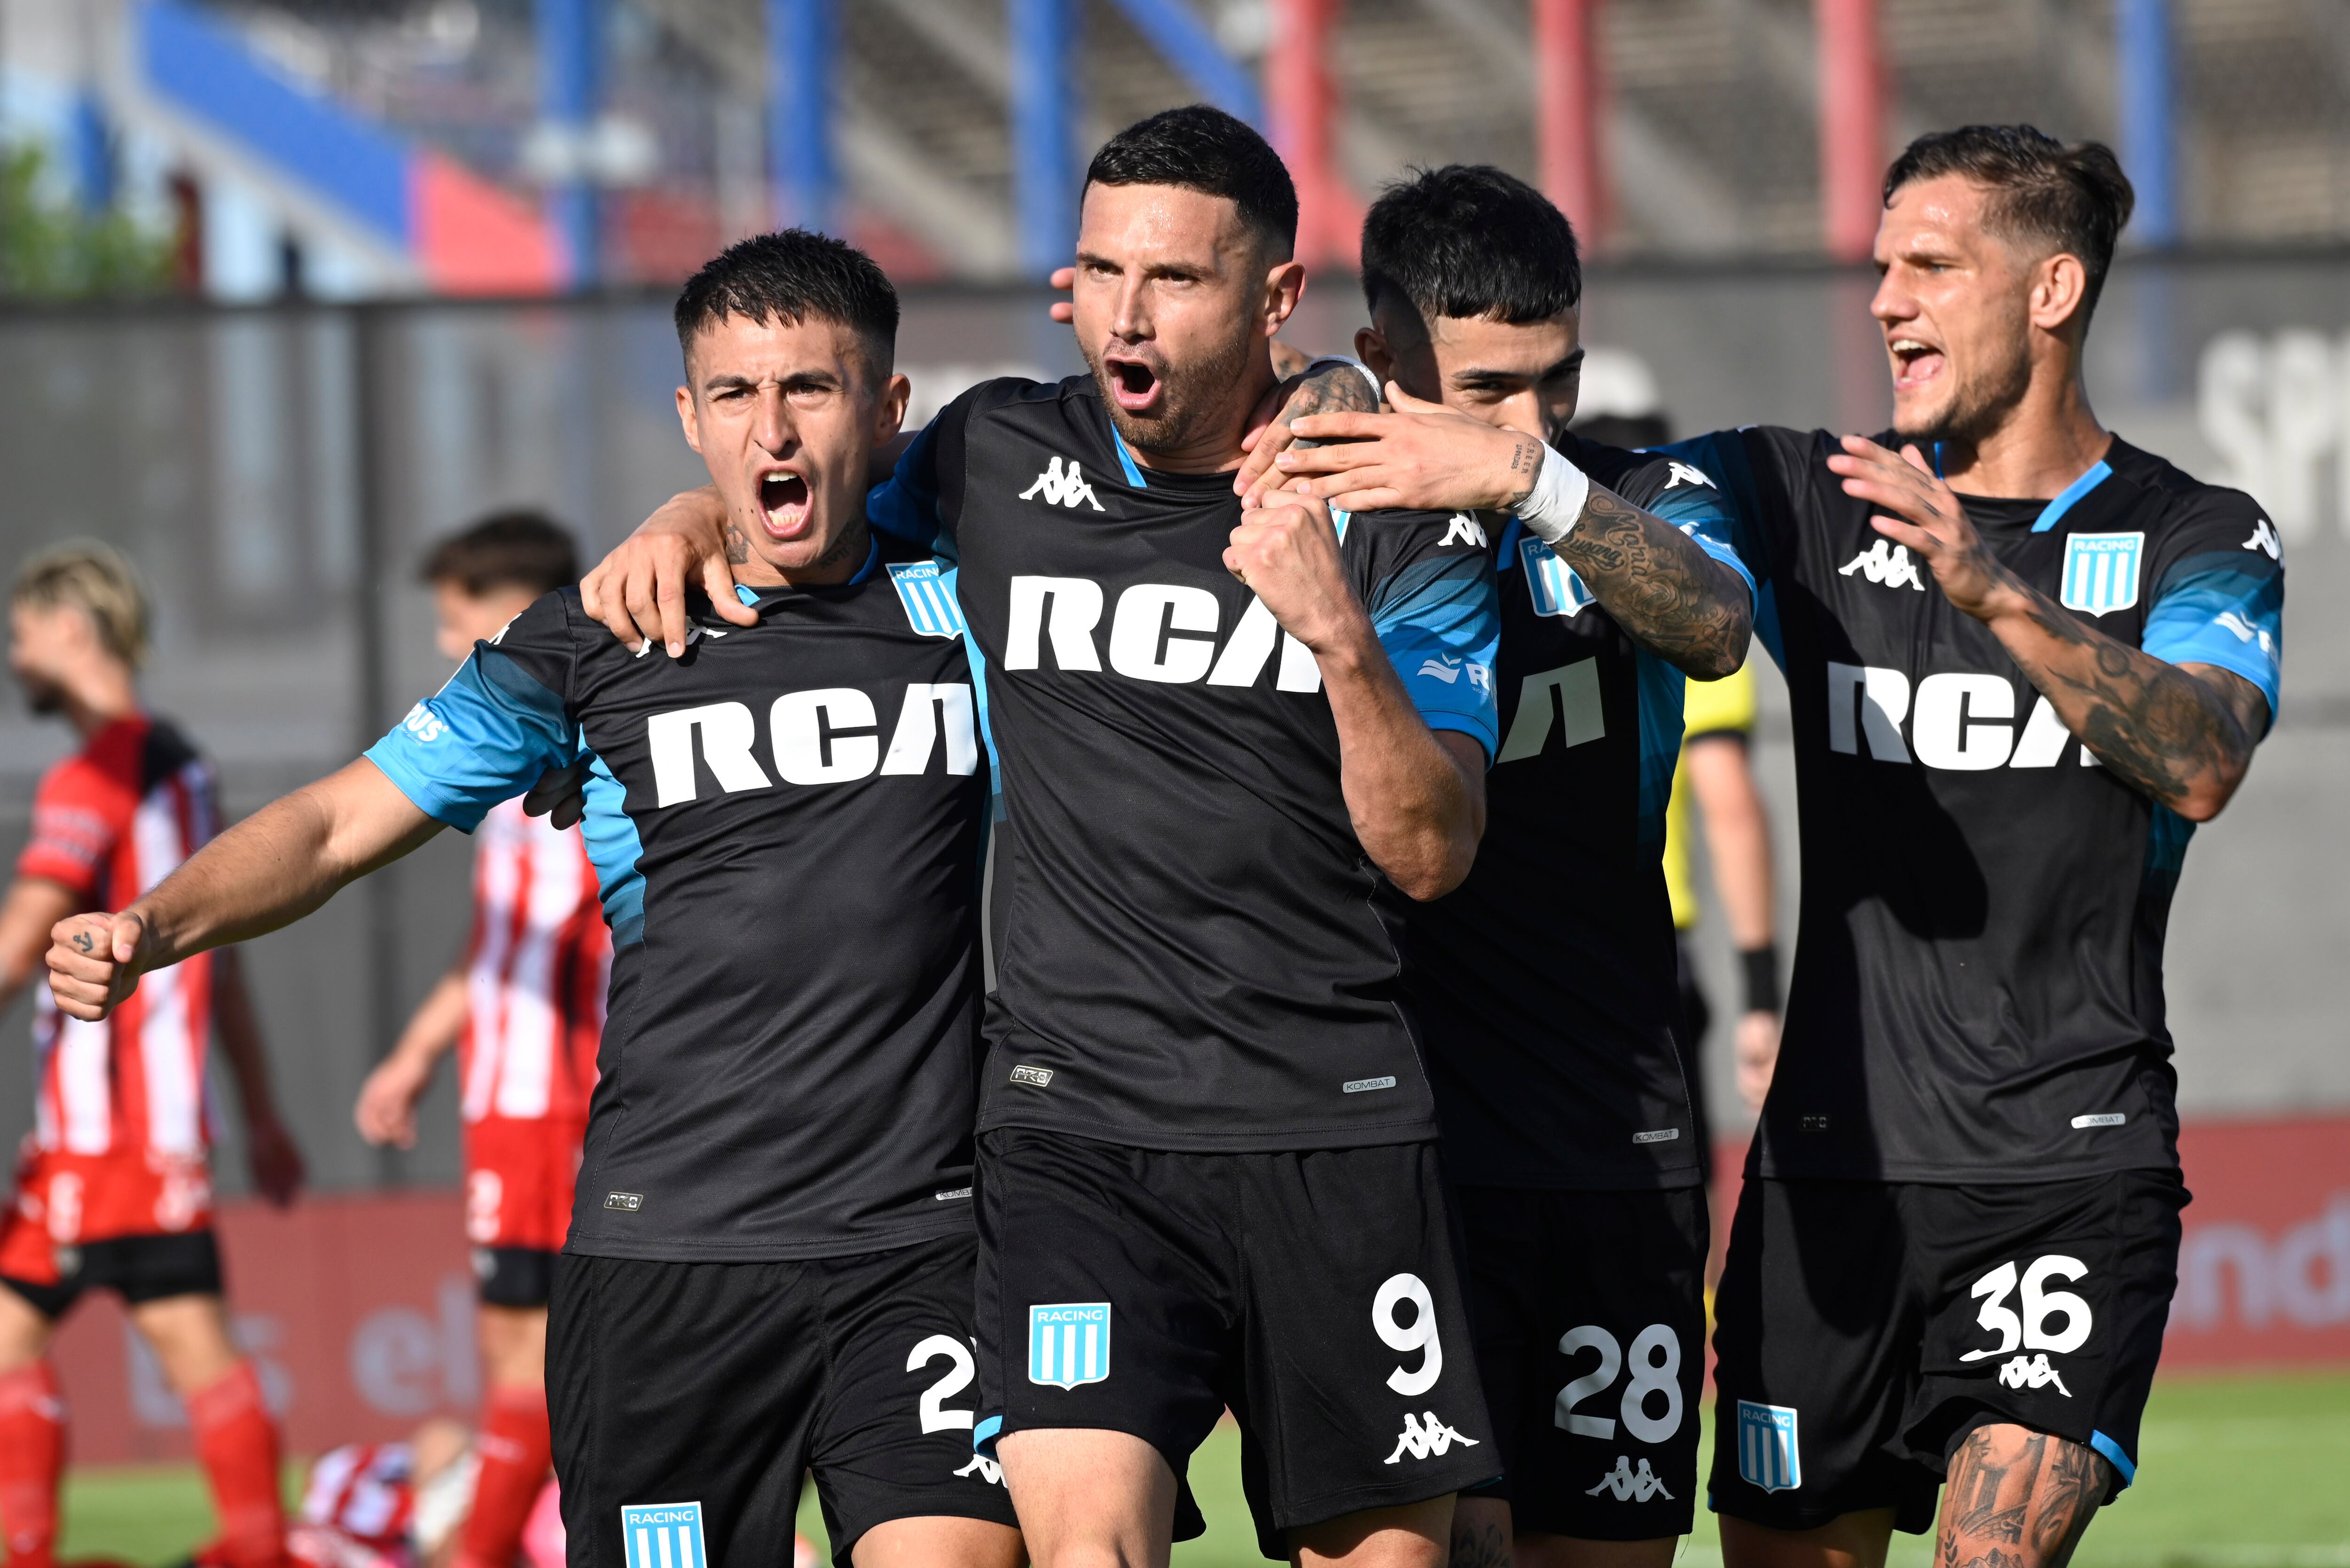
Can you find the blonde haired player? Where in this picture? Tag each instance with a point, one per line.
(524, 1009)
(114, 1186)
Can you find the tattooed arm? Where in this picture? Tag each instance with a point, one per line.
(1660, 587)
(2183, 734)
(2017, 1499)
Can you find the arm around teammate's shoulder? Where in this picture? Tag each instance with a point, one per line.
(269, 870)
(637, 591)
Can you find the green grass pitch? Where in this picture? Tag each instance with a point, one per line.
(2235, 1472)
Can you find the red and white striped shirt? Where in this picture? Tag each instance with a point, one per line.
(535, 973)
(109, 822)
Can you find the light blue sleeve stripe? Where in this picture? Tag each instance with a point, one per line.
(615, 849)
(1440, 623)
(1662, 688)
(1721, 455)
(485, 737)
(2220, 616)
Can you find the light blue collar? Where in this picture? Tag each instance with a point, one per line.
(2066, 500)
(1126, 461)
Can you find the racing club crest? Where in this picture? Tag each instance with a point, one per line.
(2100, 572)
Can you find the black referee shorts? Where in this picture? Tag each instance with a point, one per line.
(720, 1385)
(1863, 1329)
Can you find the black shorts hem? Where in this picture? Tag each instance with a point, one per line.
(1159, 1141)
(845, 1532)
(1914, 1501)
(1424, 1486)
(955, 1222)
(518, 1278)
(138, 1268)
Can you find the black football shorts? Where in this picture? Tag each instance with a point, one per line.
(1316, 1294)
(693, 1397)
(1589, 1309)
(1863, 1329)
(139, 1269)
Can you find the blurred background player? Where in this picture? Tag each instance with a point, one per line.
(1715, 775)
(114, 1187)
(524, 1008)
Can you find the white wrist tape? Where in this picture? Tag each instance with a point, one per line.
(1378, 393)
(1556, 506)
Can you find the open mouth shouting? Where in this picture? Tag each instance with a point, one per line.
(1135, 383)
(784, 503)
(1915, 362)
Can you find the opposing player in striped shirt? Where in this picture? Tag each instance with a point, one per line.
(113, 1187)
(524, 1008)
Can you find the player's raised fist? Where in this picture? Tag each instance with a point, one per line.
(94, 963)
(1287, 551)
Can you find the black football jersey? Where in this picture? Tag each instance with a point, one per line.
(1977, 992)
(787, 827)
(1547, 982)
(1193, 952)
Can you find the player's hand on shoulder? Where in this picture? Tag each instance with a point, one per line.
(94, 963)
(1927, 518)
(1423, 456)
(1303, 392)
(637, 591)
(1287, 551)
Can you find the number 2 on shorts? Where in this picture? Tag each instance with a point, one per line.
(936, 1416)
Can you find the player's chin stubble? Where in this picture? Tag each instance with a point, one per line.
(1196, 398)
(1978, 404)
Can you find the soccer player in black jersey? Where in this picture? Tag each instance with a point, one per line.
(2025, 657)
(1236, 742)
(770, 1268)
(1547, 982)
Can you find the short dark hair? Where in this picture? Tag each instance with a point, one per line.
(790, 275)
(1470, 242)
(1203, 149)
(2074, 196)
(514, 549)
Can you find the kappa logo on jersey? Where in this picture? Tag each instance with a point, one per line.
(2100, 572)
(1062, 486)
(663, 1535)
(1769, 1455)
(827, 736)
(2264, 539)
(1068, 1344)
(1886, 564)
(1683, 474)
(1551, 583)
(1629, 1485)
(2033, 1374)
(1162, 632)
(1434, 1439)
(1464, 529)
(931, 606)
(1961, 721)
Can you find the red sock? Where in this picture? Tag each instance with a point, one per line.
(516, 1452)
(237, 1442)
(32, 1457)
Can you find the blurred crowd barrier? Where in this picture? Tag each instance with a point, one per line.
(358, 1308)
(277, 471)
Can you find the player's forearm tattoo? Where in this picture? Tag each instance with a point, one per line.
(2163, 730)
(1669, 594)
(2017, 1503)
(1335, 389)
(738, 545)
